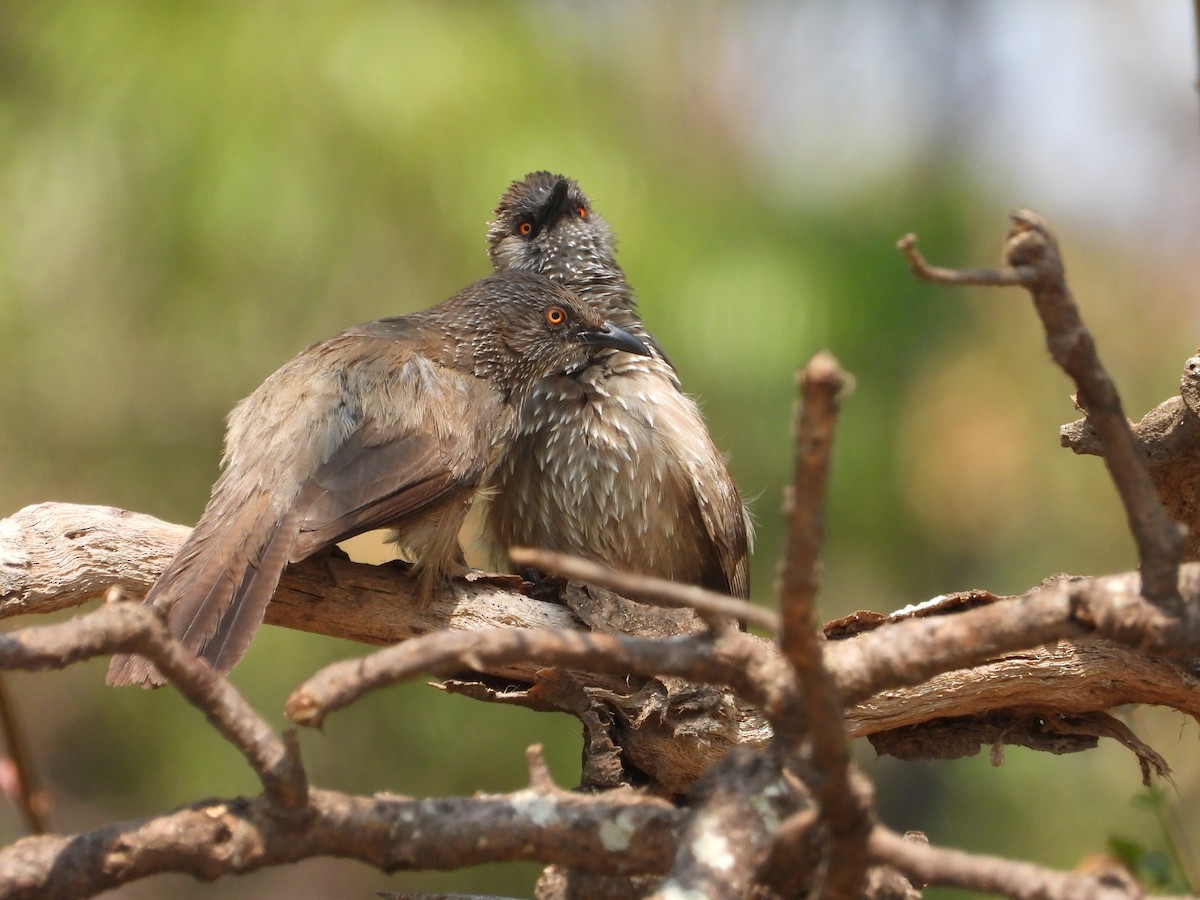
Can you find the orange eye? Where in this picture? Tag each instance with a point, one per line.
(556, 315)
(582, 212)
(525, 228)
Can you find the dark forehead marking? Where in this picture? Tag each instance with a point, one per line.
(526, 196)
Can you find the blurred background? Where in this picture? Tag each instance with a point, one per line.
(194, 192)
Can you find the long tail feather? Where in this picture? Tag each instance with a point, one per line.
(216, 588)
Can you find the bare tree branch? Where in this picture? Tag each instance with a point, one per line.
(123, 627)
(646, 588)
(1033, 260)
(849, 822)
(980, 277)
(695, 658)
(925, 864)
(27, 797)
(619, 831)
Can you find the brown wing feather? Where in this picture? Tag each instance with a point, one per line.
(729, 530)
(377, 437)
(371, 484)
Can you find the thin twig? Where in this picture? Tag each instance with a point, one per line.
(645, 588)
(28, 799)
(926, 864)
(981, 277)
(731, 660)
(821, 384)
(126, 627)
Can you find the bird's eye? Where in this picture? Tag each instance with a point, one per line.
(582, 210)
(525, 228)
(556, 315)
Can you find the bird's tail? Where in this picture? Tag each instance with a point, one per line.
(217, 587)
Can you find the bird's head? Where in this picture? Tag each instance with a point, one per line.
(536, 326)
(544, 223)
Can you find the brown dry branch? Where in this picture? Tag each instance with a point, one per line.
(58, 555)
(139, 849)
(928, 865)
(1032, 260)
(618, 831)
(122, 627)
(24, 792)
(898, 672)
(342, 683)
(647, 589)
(848, 821)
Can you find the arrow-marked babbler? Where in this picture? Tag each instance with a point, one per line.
(396, 423)
(611, 462)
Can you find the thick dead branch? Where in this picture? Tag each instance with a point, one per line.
(1075, 678)
(619, 831)
(57, 555)
(931, 652)
(1033, 262)
(1083, 676)
(909, 652)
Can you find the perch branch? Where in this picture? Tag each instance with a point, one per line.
(53, 546)
(56, 555)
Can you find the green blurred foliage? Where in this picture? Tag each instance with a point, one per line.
(194, 192)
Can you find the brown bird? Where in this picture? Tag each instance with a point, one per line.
(612, 462)
(395, 423)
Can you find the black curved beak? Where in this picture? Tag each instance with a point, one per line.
(609, 336)
(554, 205)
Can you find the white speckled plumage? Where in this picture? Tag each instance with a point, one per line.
(612, 461)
